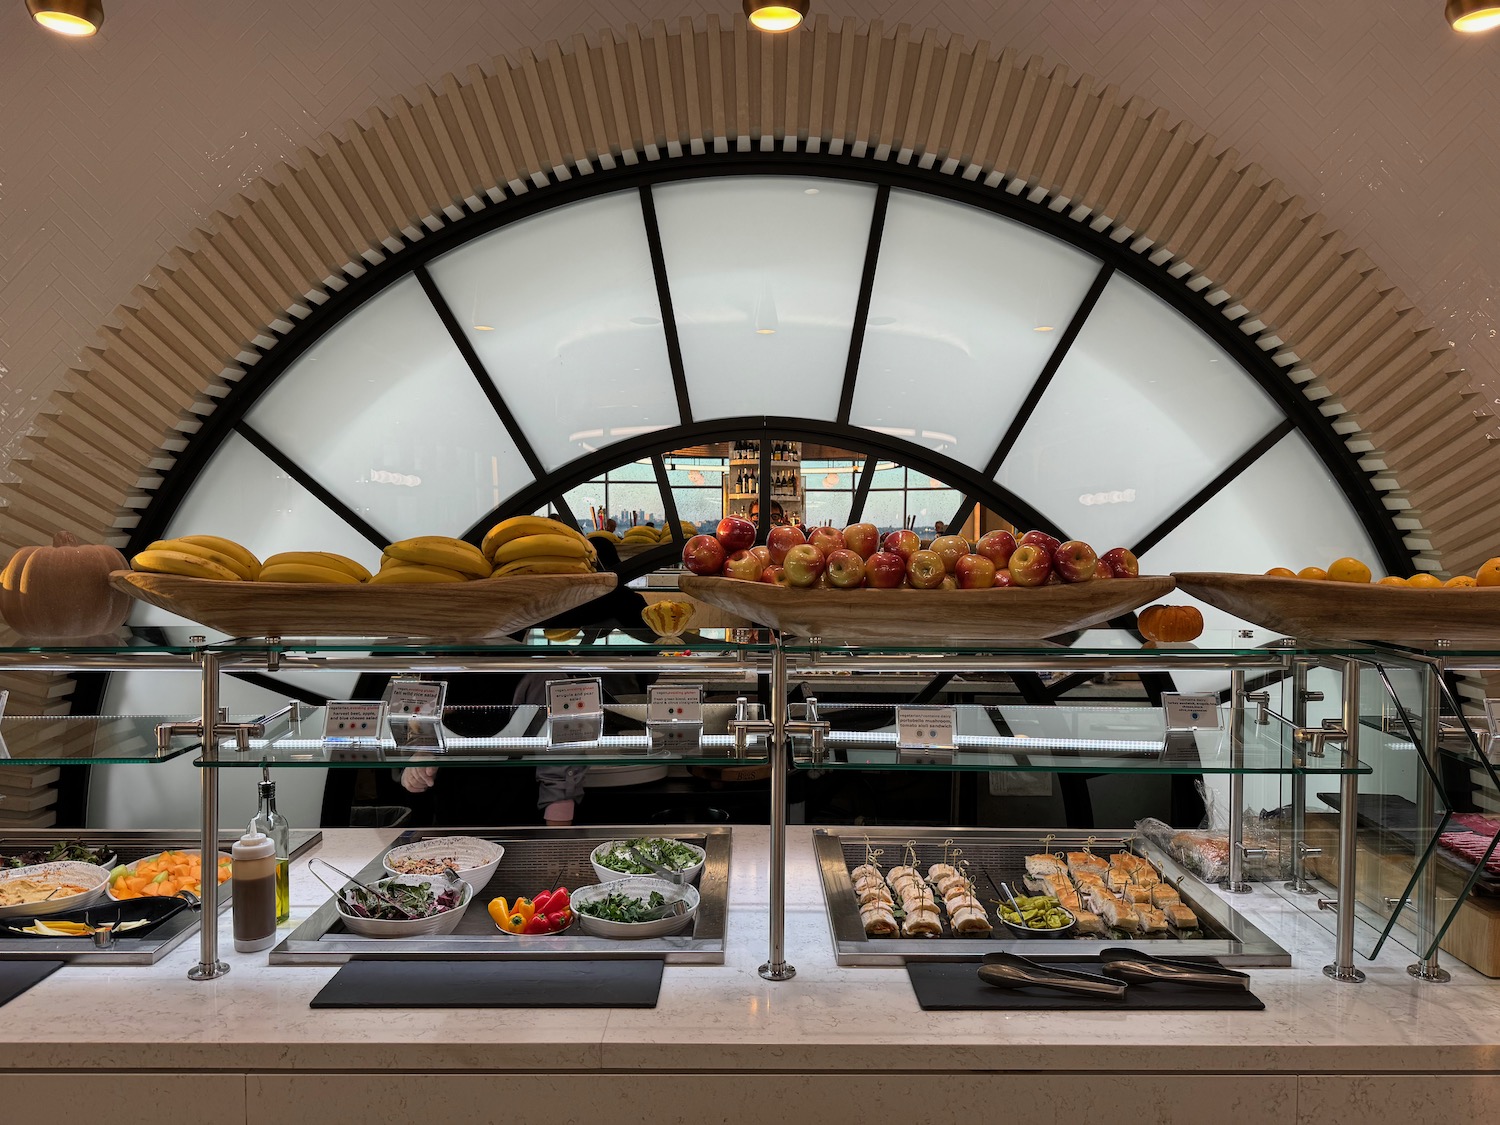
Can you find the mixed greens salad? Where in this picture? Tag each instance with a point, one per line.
(671, 854)
(73, 851)
(418, 900)
(622, 907)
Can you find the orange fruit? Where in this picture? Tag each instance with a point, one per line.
(1425, 581)
(1348, 570)
(1280, 572)
(1488, 574)
(1460, 581)
(1392, 580)
(1316, 573)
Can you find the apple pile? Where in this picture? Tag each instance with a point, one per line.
(857, 557)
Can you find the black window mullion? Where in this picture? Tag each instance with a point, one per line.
(965, 507)
(305, 479)
(668, 501)
(862, 488)
(862, 302)
(1214, 487)
(763, 489)
(664, 298)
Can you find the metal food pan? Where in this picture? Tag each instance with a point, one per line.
(535, 859)
(999, 854)
(128, 847)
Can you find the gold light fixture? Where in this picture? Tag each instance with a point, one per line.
(1473, 15)
(765, 15)
(77, 18)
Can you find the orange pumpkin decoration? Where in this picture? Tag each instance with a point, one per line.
(63, 590)
(1170, 623)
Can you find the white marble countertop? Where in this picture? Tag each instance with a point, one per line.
(722, 1017)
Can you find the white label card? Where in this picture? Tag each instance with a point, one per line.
(360, 719)
(925, 727)
(568, 699)
(675, 705)
(1190, 712)
(416, 697)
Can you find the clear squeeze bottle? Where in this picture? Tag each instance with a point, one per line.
(254, 882)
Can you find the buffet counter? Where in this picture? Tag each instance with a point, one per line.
(128, 1044)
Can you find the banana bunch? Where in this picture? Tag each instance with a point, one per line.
(535, 545)
(605, 536)
(430, 558)
(199, 556)
(313, 566)
(643, 536)
(667, 618)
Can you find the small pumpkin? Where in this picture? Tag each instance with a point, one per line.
(1170, 623)
(63, 590)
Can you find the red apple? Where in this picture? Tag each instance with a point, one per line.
(948, 583)
(744, 566)
(1075, 561)
(863, 538)
(885, 570)
(1049, 543)
(996, 546)
(974, 572)
(1122, 563)
(950, 548)
(736, 534)
(826, 539)
(1030, 565)
(773, 576)
(823, 582)
(1003, 577)
(1102, 571)
(803, 564)
(924, 570)
(781, 540)
(903, 543)
(703, 554)
(763, 553)
(1054, 579)
(846, 569)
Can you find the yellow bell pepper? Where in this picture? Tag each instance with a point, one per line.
(523, 908)
(499, 912)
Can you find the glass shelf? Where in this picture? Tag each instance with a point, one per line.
(1058, 740)
(583, 644)
(512, 736)
(1208, 650)
(135, 642)
(105, 740)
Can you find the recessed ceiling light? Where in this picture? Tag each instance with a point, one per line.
(484, 328)
(810, 191)
(1043, 328)
(767, 15)
(77, 18)
(1473, 15)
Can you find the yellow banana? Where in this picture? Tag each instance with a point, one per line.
(607, 536)
(544, 564)
(528, 545)
(410, 575)
(178, 562)
(325, 559)
(306, 572)
(518, 526)
(433, 550)
(182, 546)
(243, 555)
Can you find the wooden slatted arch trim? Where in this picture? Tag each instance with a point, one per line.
(1226, 229)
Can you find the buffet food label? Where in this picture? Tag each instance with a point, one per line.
(1190, 712)
(359, 720)
(415, 697)
(925, 728)
(571, 699)
(675, 705)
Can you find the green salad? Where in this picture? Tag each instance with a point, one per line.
(671, 854)
(622, 907)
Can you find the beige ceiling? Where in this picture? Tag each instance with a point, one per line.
(113, 150)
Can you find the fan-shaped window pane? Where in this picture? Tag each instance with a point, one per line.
(1144, 411)
(1284, 510)
(965, 310)
(563, 312)
(765, 275)
(386, 415)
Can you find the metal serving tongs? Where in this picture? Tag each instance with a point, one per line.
(1007, 970)
(673, 877)
(1135, 967)
(338, 892)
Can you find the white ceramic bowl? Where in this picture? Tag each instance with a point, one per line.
(641, 887)
(95, 878)
(476, 859)
(433, 926)
(607, 874)
(130, 869)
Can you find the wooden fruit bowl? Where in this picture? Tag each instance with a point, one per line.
(1301, 607)
(490, 607)
(864, 616)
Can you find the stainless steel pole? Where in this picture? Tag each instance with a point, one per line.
(1426, 967)
(1236, 884)
(1299, 883)
(209, 966)
(776, 967)
(1343, 965)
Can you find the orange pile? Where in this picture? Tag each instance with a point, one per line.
(1352, 570)
(164, 876)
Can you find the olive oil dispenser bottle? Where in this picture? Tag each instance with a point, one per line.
(272, 824)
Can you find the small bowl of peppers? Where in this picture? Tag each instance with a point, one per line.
(550, 912)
